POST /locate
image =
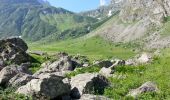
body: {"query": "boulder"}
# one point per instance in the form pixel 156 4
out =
pixel 13 50
pixel 87 83
pixel 146 87
pixel 107 72
pixel 93 97
pixel 49 86
pixel 104 63
pixel 63 65
pixel 17 42
pixel 20 79
pixel 7 73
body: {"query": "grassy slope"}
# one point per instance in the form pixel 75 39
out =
pixel 94 48
pixel 131 77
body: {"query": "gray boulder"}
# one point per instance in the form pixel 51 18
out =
pixel 18 42
pixel 146 87
pixel 13 50
pixel 63 65
pixel 87 83
pixel 7 73
pixel 93 97
pixel 20 79
pixel 48 86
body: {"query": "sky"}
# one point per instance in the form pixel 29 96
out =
pixel 78 5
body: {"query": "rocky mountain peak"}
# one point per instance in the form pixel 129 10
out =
pixel 154 10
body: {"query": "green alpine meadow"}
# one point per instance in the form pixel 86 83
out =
pixel 84 50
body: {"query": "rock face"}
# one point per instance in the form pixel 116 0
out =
pixel 146 87
pixel 48 86
pixel 13 50
pixel 87 83
pixel 154 10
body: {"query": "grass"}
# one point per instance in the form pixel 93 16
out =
pixel 94 48
pixel 158 72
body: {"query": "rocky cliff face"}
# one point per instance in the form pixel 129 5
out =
pixel 153 10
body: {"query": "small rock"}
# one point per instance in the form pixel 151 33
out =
pixel 87 83
pixel 146 87
pixel 144 58
pixel 107 72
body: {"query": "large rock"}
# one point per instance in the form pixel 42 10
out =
pixel 93 97
pixel 87 83
pixel 48 86
pixel 7 73
pixel 146 87
pixel 18 42
pixel 14 50
pixel 63 65
pixel 20 79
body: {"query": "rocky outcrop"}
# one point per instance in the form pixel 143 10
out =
pixel 13 50
pixel 48 86
pixel 153 10
pixel 146 87
pixel 87 83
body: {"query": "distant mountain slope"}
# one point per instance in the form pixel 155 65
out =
pixel 34 21
pixel 140 22
pixel 105 11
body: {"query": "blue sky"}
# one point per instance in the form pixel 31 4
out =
pixel 76 5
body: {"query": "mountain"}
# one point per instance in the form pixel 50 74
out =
pixel 45 2
pixel 33 20
pixel 139 22
pixel 104 11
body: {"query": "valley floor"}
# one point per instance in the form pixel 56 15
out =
pixel 131 77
